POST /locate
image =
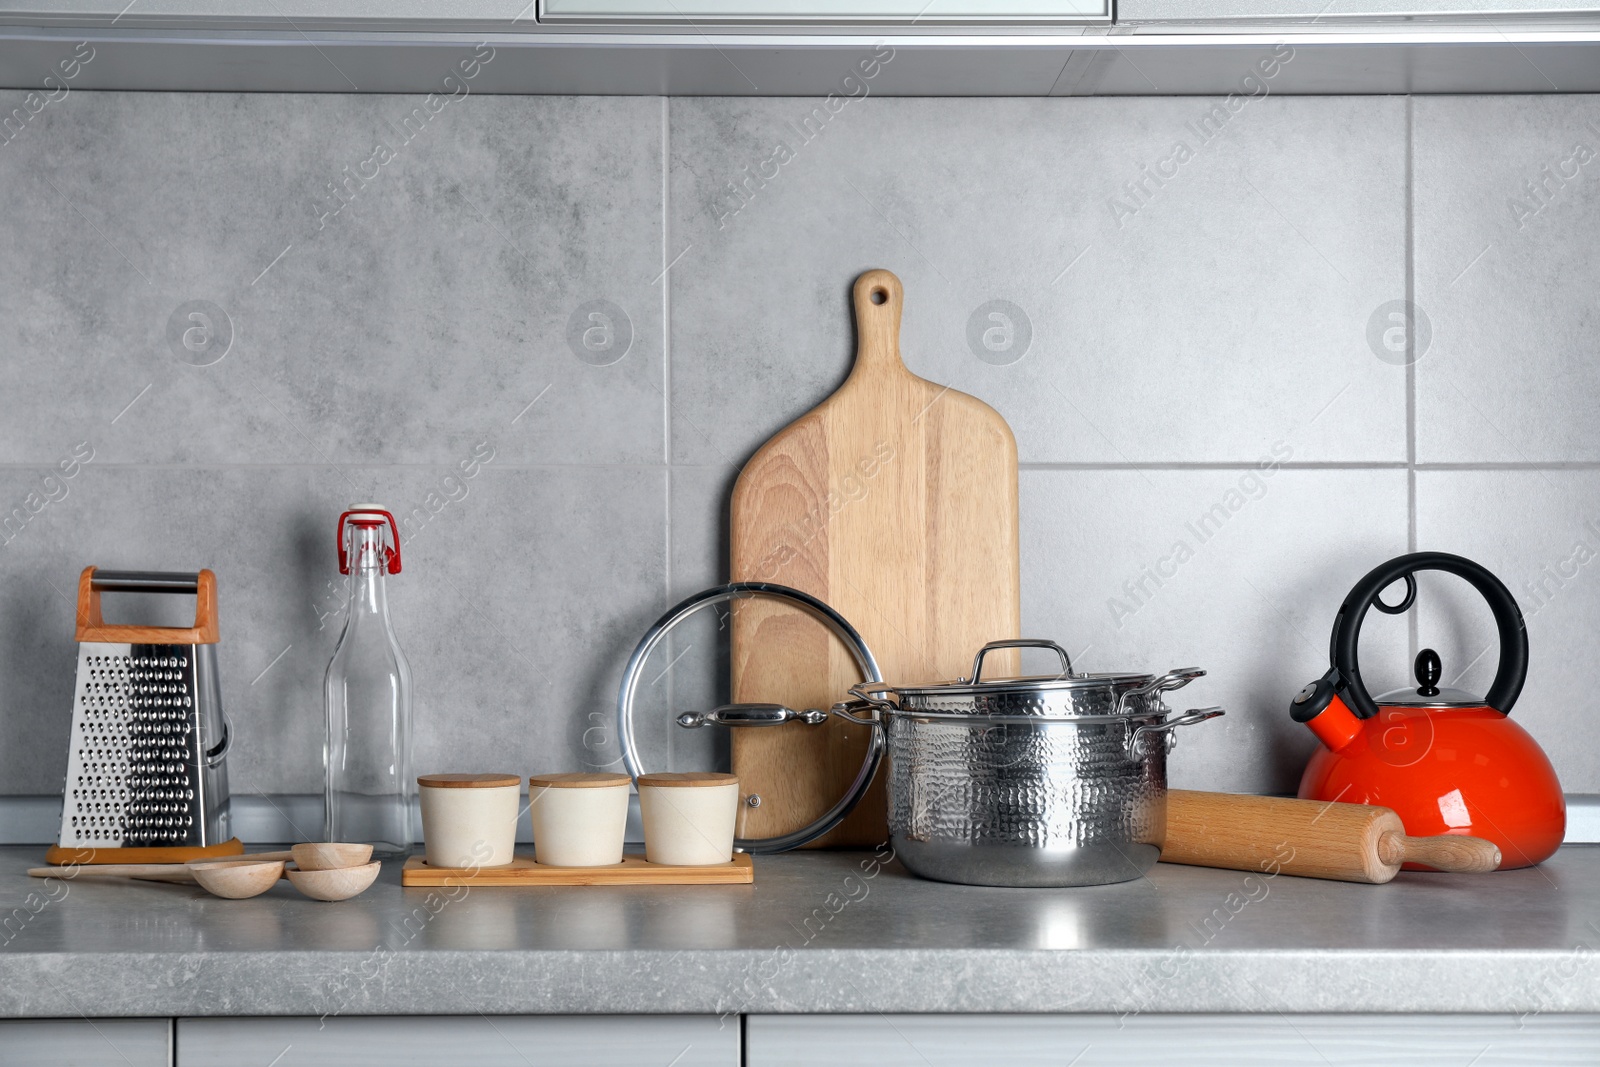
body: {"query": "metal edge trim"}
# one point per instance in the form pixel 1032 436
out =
pixel 849 38
pixel 276 818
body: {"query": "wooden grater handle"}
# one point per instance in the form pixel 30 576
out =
pixel 93 628
pixel 1446 852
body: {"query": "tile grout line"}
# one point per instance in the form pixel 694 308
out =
pixel 666 379
pixel 1308 465
pixel 437 465
pixel 666 283
pixel 1039 466
pixel 1411 353
pixel 1410 296
pixel 31 819
pixel 1217 465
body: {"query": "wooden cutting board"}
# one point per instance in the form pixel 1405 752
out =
pixel 895 502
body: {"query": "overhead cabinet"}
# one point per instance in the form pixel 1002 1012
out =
pixel 1133 12
pixel 803 47
pixel 887 12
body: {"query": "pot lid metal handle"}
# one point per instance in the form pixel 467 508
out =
pixel 1019 642
pixel 751 715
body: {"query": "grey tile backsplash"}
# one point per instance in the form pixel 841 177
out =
pixel 602 306
pixel 1507 228
pixel 1214 305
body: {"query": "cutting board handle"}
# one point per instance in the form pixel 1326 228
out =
pixel 879 299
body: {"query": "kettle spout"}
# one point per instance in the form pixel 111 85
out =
pixel 1319 707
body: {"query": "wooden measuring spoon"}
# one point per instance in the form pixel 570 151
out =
pixel 237 879
pixel 234 877
pixel 149 872
pixel 340 884
pixel 324 870
pixel 329 855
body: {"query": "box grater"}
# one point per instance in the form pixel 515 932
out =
pixel 146 778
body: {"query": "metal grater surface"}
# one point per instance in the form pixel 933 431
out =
pixel 134 762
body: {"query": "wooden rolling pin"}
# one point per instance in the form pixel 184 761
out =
pixel 1308 838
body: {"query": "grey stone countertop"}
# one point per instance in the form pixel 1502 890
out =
pixel 817 932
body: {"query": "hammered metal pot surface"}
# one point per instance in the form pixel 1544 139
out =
pixel 1083 696
pixel 1025 804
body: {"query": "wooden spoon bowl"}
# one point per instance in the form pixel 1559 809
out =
pixel 329 855
pixel 237 879
pixel 340 884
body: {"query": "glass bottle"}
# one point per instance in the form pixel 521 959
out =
pixel 368 697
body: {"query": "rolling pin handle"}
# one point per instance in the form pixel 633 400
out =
pixel 1446 852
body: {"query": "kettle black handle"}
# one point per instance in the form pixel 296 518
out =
pixel 1507 617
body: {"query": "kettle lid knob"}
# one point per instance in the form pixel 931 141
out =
pixel 1428 670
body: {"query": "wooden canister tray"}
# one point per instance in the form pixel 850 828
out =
pixel 633 870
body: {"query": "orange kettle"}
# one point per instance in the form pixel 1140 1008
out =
pixel 1446 762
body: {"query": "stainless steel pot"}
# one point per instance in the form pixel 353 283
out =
pixel 1058 780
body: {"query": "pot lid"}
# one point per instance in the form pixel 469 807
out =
pixel 1067 678
pixel 1428 693
pixel 977 685
pixel 966 686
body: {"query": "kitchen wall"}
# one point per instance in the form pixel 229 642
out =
pixel 1249 348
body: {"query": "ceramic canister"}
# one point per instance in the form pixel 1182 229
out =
pixel 688 817
pixel 469 820
pixel 578 818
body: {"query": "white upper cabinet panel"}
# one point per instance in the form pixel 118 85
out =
pixel 840 11
pixel 1333 12
pixel 804 47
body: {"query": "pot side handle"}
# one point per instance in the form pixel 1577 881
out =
pixel 1135 745
pixel 870 693
pixel 1165 683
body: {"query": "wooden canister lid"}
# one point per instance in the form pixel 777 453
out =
pixel 467 781
pixel 578 780
pixel 687 778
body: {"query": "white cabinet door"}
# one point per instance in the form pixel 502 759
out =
pixel 467 1040
pixel 1343 11
pixel 86 1042
pixel 928 12
pixel 1172 1040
